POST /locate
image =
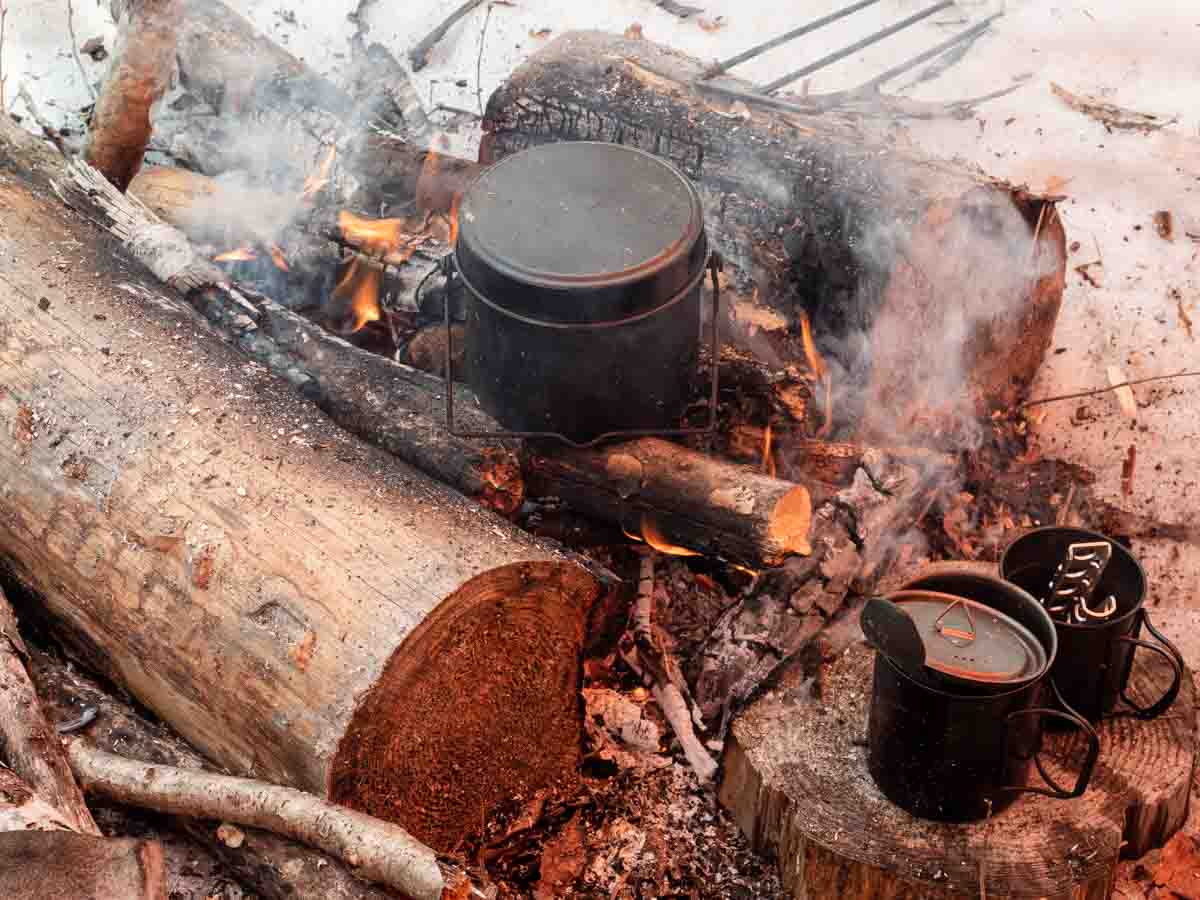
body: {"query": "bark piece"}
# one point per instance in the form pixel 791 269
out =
pixel 141 68
pixel 377 850
pixel 795 779
pixel 28 745
pixel 60 865
pixel 821 217
pixel 299 605
pixel 271 866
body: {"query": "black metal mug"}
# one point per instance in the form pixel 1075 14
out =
pixel 960 755
pixel 1095 660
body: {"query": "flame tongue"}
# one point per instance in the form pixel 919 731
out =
pixel 359 289
pixel 313 183
pixel 379 237
pixel 653 536
pixel 241 254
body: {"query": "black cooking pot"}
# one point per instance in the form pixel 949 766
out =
pixel 1095 659
pixel 962 749
pixel 583 265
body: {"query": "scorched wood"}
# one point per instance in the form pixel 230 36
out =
pixel 825 218
pixel 300 606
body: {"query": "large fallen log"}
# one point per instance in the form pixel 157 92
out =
pixel 826 218
pixel 300 606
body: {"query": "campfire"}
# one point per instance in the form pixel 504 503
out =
pixel 641 502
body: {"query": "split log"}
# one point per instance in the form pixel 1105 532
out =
pixel 825 218
pixel 270 866
pixel 28 745
pixel 298 605
pixel 42 858
pixel 795 780
pixel 141 69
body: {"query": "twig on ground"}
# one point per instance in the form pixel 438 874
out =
pixel 75 49
pixel 28 744
pixel 418 56
pixel 378 850
pixel 651 662
pixel 1104 390
pixel 1110 115
pixel 1064 511
pixel 479 61
pixel 679 10
pixel 3 77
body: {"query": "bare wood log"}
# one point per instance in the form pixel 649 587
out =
pixel 794 778
pixel 22 810
pixel 658 490
pixel 270 866
pixel 823 219
pixel 377 850
pixel 28 745
pixel 61 865
pixel 141 68
pixel 296 603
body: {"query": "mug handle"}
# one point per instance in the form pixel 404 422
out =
pixel 1089 762
pixel 1167 651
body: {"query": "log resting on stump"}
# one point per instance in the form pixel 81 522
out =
pixel 823 217
pixel 795 779
pixel 301 607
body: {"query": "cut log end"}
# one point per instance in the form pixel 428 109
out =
pixel 485 680
pixel 791 521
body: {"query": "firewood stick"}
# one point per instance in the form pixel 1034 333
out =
pixel 418 56
pixel 379 851
pixel 27 742
pixel 666 693
pixel 141 69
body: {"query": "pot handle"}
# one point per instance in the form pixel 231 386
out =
pixel 1167 651
pixel 1089 762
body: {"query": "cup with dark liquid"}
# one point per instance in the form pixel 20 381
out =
pixel 1095 658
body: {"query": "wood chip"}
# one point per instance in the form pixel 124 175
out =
pixel 1164 224
pixel 1125 393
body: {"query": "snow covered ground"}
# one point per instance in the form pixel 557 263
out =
pixel 1139 55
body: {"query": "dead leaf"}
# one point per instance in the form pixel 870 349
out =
pixel 540 34
pixel 563 859
pixel 202 567
pixel 1184 318
pixel 75 467
pixel 23 426
pixel 1164 224
pixel 1111 115
pixel 302 652
pixel 1178 870
pixel 711 24
pixel 634 32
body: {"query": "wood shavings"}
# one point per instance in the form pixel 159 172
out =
pixel 1110 115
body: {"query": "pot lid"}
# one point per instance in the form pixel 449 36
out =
pixel 580 214
pixel 968 641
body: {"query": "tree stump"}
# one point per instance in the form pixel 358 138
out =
pixel 795 778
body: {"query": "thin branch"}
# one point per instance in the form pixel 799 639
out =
pixel 1105 390
pixel 75 49
pixel 3 77
pixel 418 56
pixel 48 130
pixel 479 61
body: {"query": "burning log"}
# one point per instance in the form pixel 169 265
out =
pixel 28 745
pixel 823 218
pixel 294 602
pixel 120 126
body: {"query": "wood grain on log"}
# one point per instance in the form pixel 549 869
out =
pixel 141 68
pixel 299 605
pixel 61 865
pixel 822 216
pixel 28 745
pixel 795 779
pixel 273 867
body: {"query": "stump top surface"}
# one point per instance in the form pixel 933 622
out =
pixel 797 774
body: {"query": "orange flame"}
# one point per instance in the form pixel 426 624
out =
pixel 359 288
pixel 453 239
pixel 379 237
pixel 768 458
pixel 241 254
pixel 313 183
pixel 820 370
pixel 279 259
pixel 653 536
